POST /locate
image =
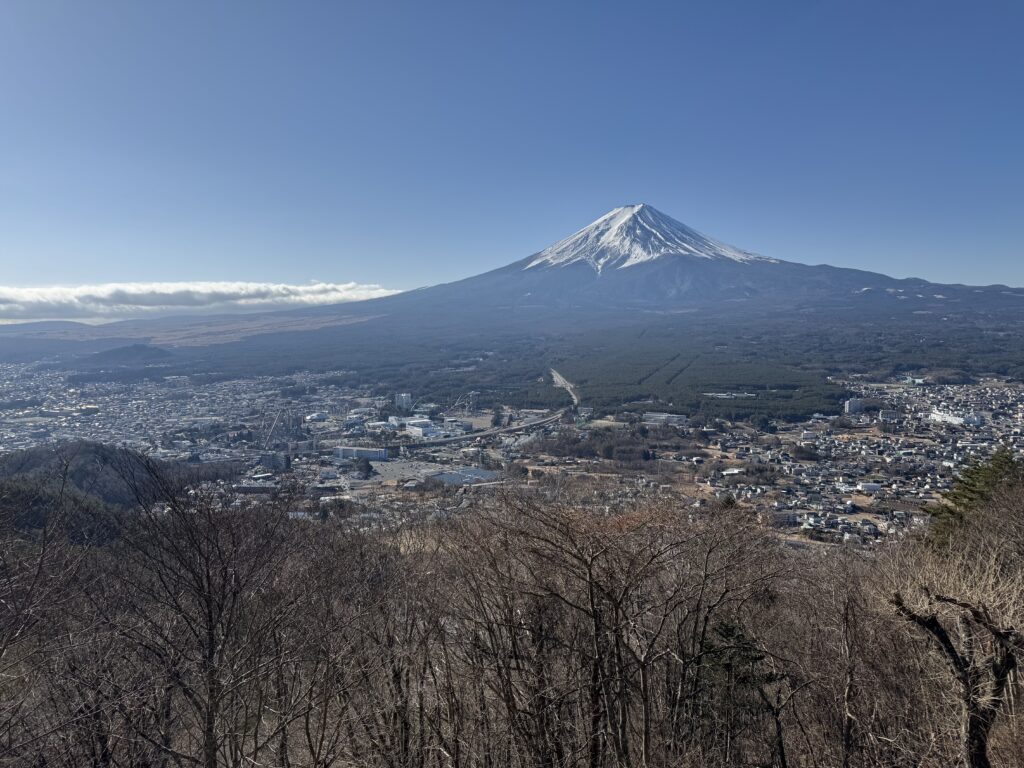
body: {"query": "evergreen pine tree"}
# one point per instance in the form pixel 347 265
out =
pixel 978 482
pixel 974 488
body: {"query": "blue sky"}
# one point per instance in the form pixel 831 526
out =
pixel 405 144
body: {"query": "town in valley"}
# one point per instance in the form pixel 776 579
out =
pixel 877 470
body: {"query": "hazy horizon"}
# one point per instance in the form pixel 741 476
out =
pixel 110 302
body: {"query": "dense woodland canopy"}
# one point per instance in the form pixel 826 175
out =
pixel 783 362
pixel 548 628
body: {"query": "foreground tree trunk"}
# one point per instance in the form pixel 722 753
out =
pixel 982 681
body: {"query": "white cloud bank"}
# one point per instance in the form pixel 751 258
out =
pixel 118 301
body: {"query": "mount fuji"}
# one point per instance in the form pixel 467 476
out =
pixel 637 258
pixel 632 265
pixel 633 235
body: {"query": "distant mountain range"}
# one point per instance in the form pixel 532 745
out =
pixel 633 279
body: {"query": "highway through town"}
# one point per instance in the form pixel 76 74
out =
pixel 484 434
pixel 563 383
pixel 559 380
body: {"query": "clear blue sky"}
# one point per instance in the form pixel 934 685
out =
pixel 412 143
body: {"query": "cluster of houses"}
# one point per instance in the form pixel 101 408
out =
pixel 876 473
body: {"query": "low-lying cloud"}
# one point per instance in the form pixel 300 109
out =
pixel 117 301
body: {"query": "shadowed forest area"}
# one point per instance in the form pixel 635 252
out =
pixel 779 362
pixel 543 628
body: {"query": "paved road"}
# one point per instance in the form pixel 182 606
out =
pixel 486 433
pixel 560 382
pixel 563 383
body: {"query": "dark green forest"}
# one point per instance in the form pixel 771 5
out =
pixel 659 361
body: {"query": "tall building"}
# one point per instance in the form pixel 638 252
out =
pixel 854 405
pixel 403 401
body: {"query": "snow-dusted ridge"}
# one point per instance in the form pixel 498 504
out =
pixel 635 234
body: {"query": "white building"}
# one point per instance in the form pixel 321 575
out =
pixel 360 452
pixel 853 405
pixel 657 418
pixel 943 417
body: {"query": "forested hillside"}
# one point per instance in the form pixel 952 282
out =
pixel 542 628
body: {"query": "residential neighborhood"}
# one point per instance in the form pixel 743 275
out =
pixel 874 471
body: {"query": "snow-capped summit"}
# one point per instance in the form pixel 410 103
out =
pixel 635 234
